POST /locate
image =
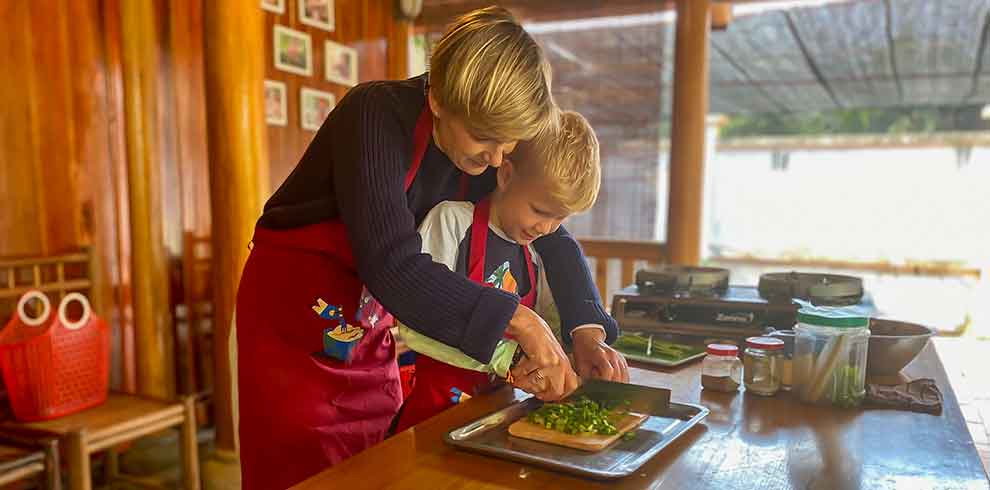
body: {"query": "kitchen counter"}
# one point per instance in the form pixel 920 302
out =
pixel 746 442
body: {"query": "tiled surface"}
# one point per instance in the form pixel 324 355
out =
pixel 965 361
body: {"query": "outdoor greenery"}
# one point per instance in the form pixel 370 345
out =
pixel 858 121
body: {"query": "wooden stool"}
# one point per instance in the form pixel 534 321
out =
pixel 22 458
pixel 123 418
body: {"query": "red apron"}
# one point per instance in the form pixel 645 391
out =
pixel 440 386
pixel 300 411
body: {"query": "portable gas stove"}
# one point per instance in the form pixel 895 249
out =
pixel 697 305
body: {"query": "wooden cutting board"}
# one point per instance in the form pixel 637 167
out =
pixel 586 442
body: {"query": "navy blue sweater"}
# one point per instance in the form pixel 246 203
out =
pixel 353 171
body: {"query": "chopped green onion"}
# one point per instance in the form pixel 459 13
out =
pixel 580 416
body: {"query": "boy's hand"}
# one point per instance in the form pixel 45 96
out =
pixel 593 358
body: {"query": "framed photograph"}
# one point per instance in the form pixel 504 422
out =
pixel 276 108
pixel 277 6
pixel 314 107
pixel 293 51
pixel 341 64
pixel 317 13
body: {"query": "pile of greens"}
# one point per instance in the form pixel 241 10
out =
pixel 638 345
pixel 580 416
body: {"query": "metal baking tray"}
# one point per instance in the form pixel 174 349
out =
pixel 489 435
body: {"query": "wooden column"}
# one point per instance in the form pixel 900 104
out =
pixel 238 149
pixel 152 319
pixel 687 135
pixel 397 54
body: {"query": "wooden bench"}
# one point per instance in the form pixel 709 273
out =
pixel 23 458
pixel 123 418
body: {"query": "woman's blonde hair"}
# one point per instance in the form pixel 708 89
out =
pixel 487 70
pixel 566 156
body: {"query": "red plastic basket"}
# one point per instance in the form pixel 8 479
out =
pixel 52 366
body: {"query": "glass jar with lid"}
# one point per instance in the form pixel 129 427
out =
pixel 762 365
pixel 830 352
pixel 721 370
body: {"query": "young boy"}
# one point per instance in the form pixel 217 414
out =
pixel 549 178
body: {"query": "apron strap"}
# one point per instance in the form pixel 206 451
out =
pixel 530 299
pixel 479 247
pixel 479 241
pixel 421 140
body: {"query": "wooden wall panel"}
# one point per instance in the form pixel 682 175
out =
pixel 56 168
pixel 93 110
pixel 185 52
pixel 183 58
pixel 64 166
pixel 361 24
pixel 20 214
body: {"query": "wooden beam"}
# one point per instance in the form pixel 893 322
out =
pixel 152 318
pixel 687 154
pixel 238 149
pixel 624 249
pixel 438 13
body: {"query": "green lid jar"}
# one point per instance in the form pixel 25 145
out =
pixel 830 352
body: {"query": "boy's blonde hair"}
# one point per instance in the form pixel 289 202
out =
pixel 566 156
pixel 487 70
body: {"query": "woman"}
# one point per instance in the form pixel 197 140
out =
pixel 346 217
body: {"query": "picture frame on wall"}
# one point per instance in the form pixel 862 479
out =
pixel 276 105
pixel 314 107
pixel 293 51
pixel 341 64
pixel 317 13
pixel 276 6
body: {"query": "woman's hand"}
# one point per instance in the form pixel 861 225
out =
pixel 596 359
pixel 545 371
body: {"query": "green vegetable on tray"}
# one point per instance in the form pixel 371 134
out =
pixel 646 346
pixel 580 416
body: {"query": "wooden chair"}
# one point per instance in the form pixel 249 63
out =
pixel 194 323
pixel 55 276
pixel 23 458
pixel 122 418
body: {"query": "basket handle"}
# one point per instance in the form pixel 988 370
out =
pixel 64 305
pixel 22 303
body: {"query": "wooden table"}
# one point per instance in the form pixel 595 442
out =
pixel 122 418
pixel 746 442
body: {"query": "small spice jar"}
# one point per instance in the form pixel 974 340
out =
pixel 762 365
pixel 787 364
pixel 721 370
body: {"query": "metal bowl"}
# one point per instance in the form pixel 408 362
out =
pixel 893 345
